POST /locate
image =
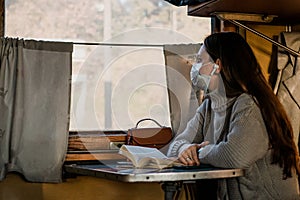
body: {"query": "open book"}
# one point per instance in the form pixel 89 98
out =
pixel 145 157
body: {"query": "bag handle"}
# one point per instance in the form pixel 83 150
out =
pixel 148 119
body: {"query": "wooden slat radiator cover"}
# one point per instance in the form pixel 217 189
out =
pixel 94 145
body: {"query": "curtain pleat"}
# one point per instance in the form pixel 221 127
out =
pixel 35 100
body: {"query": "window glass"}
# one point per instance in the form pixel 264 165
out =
pixel 118 64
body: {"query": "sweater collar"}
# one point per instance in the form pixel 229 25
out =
pixel 219 101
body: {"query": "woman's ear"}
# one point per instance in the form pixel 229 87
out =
pixel 219 63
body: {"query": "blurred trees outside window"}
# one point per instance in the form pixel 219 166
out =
pixel 122 79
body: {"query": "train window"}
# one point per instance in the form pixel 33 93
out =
pixel 118 64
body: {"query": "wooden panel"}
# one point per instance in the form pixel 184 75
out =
pixel 14 187
pixel 94 156
pixel 263 48
pixel 93 142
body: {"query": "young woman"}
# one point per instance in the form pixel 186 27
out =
pixel 240 124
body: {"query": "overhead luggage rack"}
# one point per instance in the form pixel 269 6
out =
pixel 244 17
pixel 273 12
pixel 287 12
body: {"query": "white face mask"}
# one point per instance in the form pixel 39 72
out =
pixel 201 81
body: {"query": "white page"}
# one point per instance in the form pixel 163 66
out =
pixel 141 152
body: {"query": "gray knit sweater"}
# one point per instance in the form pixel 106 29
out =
pixel 246 146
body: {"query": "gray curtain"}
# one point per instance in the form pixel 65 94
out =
pixel 288 80
pixel 183 100
pixel 34 105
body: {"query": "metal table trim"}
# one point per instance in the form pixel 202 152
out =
pixel 153 175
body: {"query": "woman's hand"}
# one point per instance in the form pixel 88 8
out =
pixel 190 155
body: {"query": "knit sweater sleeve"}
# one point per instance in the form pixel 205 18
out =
pixel 191 134
pixel 247 139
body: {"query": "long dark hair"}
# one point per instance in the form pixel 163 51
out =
pixel 242 73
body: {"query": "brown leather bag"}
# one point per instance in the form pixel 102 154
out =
pixel 149 137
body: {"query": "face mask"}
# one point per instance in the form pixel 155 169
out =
pixel 201 81
pixel 198 82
